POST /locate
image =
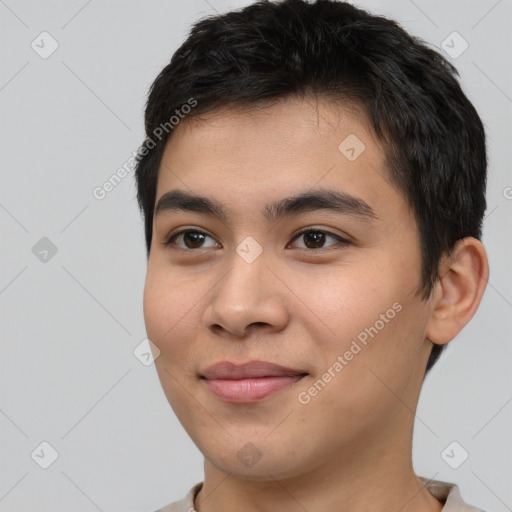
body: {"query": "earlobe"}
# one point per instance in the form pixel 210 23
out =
pixel 463 278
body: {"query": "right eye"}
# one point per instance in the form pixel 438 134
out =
pixel 192 238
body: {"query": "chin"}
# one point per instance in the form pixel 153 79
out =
pixel 249 463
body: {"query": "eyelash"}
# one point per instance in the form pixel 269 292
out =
pixel 170 240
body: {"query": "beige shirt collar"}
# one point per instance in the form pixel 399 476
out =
pixel 445 492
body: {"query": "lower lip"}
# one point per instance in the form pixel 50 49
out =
pixel 249 390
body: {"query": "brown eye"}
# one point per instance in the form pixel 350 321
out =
pixel 192 239
pixel 316 238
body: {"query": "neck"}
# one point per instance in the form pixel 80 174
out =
pixel 380 481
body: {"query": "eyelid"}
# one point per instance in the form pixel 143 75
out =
pixel 341 239
pixel 322 230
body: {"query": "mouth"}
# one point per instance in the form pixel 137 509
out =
pixel 248 382
pixel 249 390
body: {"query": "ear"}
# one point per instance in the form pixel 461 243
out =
pixel 456 296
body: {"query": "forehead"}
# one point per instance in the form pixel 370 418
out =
pixel 260 155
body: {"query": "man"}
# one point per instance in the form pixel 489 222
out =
pixel 313 186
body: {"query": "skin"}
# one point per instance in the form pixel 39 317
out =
pixel 349 448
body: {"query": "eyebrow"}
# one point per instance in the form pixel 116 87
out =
pixel 303 202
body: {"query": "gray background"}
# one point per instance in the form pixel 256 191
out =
pixel 69 324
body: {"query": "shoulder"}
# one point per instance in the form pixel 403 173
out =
pixel 449 494
pixel 184 505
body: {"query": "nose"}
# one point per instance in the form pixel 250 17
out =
pixel 246 297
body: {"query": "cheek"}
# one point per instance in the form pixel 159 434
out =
pixel 170 325
pixel 378 356
pixel 154 307
pixel 167 310
pixel 350 302
pixel 371 316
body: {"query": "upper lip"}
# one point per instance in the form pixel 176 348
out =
pixel 228 370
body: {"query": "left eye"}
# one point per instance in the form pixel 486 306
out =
pixel 315 238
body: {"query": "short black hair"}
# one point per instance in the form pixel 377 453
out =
pixel 433 137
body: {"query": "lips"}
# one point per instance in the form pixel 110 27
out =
pixel 252 369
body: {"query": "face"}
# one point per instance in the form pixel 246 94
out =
pixel 337 303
